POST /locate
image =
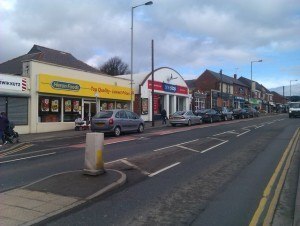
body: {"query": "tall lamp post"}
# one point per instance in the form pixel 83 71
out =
pixel 291 88
pixel 131 59
pixel 254 61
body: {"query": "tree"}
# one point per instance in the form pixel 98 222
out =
pixel 115 66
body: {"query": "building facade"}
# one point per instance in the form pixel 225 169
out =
pixel 52 96
pixel 170 93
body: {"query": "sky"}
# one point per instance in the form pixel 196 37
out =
pixel 189 36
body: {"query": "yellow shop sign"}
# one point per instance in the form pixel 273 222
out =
pixel 67 86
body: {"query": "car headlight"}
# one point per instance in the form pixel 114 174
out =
pixel 290 111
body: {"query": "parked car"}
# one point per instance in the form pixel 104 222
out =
pixel 209 115
pixel 252 112
pixel 240 113
pixel 117 121
pixel 226 114
pixel 184 117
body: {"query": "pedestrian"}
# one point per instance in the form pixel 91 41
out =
pixel 164 116
pixel 3 126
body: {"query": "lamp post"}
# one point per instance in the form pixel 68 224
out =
pixel 291 88
pixel 254 61
pixel 131 58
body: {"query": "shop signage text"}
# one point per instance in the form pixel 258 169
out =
pixel 167 87
pixel 10 82
pixel 67 86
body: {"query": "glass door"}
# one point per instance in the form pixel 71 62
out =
pixel 89 111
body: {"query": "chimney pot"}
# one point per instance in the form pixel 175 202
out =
pixel 234 76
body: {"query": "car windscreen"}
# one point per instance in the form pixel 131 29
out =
pixel 104 114
pixel 294 105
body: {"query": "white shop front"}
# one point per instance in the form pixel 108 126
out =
pixel 170 93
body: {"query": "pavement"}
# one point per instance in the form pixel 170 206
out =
pixel 57 193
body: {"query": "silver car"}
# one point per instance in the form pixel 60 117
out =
pixel 185 117
pixel 117 121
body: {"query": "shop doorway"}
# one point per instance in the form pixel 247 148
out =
pixel 89 110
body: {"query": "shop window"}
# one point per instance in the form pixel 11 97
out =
pixel 72 108
pixel 49 109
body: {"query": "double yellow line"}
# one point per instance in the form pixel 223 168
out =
pixel 282 167
pixel 15 150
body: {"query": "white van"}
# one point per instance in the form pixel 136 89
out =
pixel 294 109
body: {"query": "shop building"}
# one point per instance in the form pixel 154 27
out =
pixel 170 93
pixel 59 88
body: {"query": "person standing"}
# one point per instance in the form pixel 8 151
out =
pixel 164 116
pixel 3 125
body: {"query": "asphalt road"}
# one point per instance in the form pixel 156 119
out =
pixel 202 175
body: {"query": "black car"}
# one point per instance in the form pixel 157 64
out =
pixel 225 113
pixel 240 113
pixel 252 112
pixel 209 115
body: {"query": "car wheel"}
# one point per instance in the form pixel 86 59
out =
pixel 173 124
pixel 211 120
pixel 189 123
pixel 117 131
pixel 225 118
pixel 242 116
pixel 232 117
pixel 141 128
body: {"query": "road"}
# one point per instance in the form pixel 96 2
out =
pixel 211 174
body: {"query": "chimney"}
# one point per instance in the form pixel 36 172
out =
pixel 234 76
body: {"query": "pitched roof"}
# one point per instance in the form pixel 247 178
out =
pixel 257 85
pixel 44 54
pixel 226 78
pixel 190 83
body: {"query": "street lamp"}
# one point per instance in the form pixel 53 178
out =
pixel 251 74
pixel 131 59
pixel 291 88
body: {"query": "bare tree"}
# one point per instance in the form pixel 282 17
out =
pixel 115 66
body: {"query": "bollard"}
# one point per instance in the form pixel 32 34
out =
pixel 93 162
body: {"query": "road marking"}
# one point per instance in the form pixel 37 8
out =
pixel 230 131
pixel 190 149
pixel 118 160
pixel 159 149
pixel 216 139
pixel 262 204
pixel 31 157
pixel 134 166
pixel 213 147
pixel 260 126
pixel 164 169
pixel 243 133
pixel 15 150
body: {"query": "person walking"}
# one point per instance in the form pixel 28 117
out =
pixel 164 116
pixel 3 125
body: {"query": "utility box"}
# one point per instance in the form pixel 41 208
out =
pixel 93 162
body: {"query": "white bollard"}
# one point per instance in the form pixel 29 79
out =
pixel 93 162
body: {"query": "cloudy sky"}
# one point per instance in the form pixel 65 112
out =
pixel 189 35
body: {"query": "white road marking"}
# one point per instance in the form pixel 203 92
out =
pixel 259 126
pixel 134 166
pixel 31 157
pixel 243 133
pixel 230 131
pixel 190 149
pixel 159 149
pixel 213 147
pixel 118 160
pixel 164 169
pixel 216 139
